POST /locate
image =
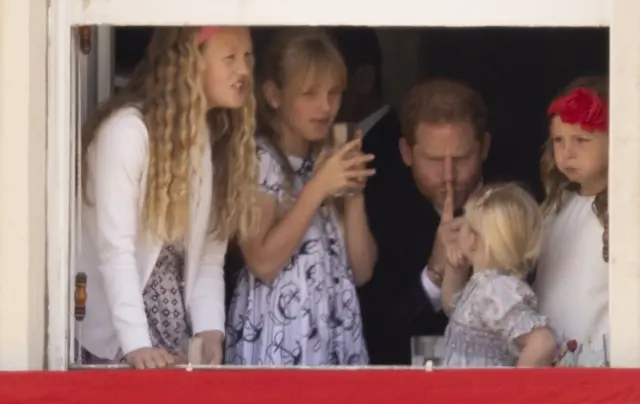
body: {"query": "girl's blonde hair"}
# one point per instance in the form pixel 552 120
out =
pixel 510 222
pixel 294 56
pixel 167 87
pixel 554 181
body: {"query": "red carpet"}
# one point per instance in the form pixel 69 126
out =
pixel 580 386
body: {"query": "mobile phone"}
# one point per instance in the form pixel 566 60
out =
pixel 343 132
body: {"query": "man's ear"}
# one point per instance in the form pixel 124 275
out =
pixel 406 152
pixel 486 145
pixel 271 94
pixel 364 79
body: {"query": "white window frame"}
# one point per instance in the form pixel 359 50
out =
pixel 624 175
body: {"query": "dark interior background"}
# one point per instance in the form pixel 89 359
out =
pixel 518 71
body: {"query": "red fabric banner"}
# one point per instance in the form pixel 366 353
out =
pixel 549 386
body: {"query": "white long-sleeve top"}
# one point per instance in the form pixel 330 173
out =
pixel 118 256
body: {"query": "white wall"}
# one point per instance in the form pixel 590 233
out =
pixel 624 185
pixel 396 13
pixel 23 27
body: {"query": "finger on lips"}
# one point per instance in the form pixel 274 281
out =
pixel 447 208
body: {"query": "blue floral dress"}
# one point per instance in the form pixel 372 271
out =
pixel 309 315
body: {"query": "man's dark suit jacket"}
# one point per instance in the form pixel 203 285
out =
pixel 394 304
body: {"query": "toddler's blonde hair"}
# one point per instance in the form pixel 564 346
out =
pixel 510 223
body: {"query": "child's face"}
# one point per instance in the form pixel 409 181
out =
pixel 580 155
pixel 309 111
pixel 228 59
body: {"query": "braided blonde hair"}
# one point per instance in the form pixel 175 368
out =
pixel 167 88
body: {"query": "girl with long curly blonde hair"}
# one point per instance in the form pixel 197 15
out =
pixel 295 303
pixel 572 280
pixel 169 175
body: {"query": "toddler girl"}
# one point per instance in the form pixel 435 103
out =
pixel 493 320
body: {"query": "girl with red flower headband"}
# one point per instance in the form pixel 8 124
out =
pixel 156 215
pixel 572 280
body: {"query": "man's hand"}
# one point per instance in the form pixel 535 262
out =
pixel 445 248
pixel 435 277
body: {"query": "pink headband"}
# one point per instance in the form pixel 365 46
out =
pixel 206 33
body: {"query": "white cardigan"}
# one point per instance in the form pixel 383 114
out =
pixel 118 258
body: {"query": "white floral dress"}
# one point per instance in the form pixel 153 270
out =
pixel 490 313
pixel 309 315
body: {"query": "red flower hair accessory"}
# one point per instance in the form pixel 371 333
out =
pixel 206 33
pixel 582 107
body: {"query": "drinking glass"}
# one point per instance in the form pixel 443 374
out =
pixel 344 132
pixel 427 348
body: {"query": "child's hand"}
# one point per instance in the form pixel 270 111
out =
pixel 341 170
pixel 212 342
pixel 149 358
pixel 361 182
